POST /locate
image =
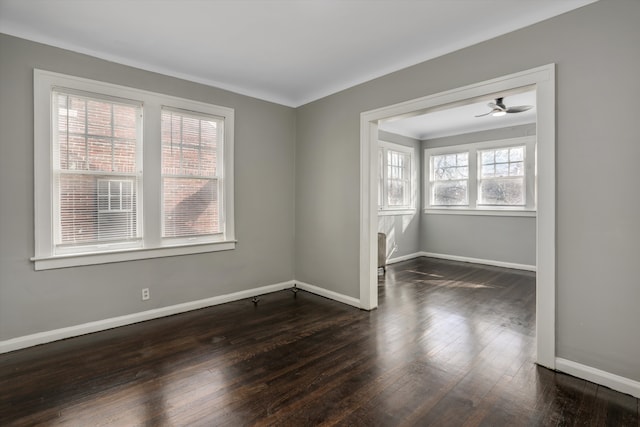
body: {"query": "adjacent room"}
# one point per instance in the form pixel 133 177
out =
pixel 319 213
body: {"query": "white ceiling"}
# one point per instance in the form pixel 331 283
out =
pixel 286 51
pixel 462 118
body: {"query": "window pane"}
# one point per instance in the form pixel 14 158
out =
pixel 86 203
pixel 189 149
pixel 124 155
pixel 397 193
pixel 516 154
pixel 450 166
pixel 502 169
pixel 450 160
pixel 99 118
pixel 488 170
pixel 487 157
pixel 96 135
pixel 395 187
pixel 516 169
pixel 450 193
pixel 502 155
pixel 189 144
pixel 190 207
pixel 502 191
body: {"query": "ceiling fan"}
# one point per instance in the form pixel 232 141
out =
pixel 499 109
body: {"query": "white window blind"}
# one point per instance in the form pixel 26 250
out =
pixel 96 144
pixel 191 174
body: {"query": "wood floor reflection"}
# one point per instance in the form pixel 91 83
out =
pixel 451 344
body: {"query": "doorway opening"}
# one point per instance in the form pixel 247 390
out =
pixel 542 80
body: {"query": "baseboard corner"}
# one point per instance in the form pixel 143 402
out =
pixel 345 299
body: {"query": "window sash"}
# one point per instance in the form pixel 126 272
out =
pixel 78 224
pixel 191 175
pixel 395 177
pixel 449 177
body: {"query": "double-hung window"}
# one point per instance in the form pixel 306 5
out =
pixel 95 165
pixel 449 179
pixel 396 178
pixel 190 181
pixel 501 178
pixel 488 178
pixel 124 174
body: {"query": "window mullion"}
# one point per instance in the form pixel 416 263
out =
pixel 152 178
pixel 474 182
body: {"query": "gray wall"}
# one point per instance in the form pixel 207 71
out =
pixel 403 231
pixel 495 238
pixel 598 236
pixel 33 301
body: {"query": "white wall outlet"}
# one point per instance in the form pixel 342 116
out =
pixel 145 294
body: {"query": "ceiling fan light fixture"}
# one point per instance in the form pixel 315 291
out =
pixel 499 113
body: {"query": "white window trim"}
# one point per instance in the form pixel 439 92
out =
pixel 411 208
pixel 529 210
pixel 154 246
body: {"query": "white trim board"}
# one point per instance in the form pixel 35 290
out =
pixel 494 263
pixel 480 261
pixel 114 322
pixel 544 81
pixel 328 294
pixel 404 258
pixel 607 379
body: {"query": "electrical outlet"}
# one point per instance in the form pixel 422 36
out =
pixel 145 294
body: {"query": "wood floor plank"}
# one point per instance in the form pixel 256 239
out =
pixel 451 344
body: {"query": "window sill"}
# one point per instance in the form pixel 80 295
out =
pixel 389 212
pixel 481 212
pixel 62 261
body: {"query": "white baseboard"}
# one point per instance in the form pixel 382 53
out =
pixel 114 322
pixel 480 261
pixel 329 294
pixel 404 257
pixel 613 381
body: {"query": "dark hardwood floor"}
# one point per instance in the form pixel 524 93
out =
pixel 451 344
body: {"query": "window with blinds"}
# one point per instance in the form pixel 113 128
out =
pixel 191 174
pixel 95 203
pixel 96 171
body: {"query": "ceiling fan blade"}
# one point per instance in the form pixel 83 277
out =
pixel 485 114
pixel 519 108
